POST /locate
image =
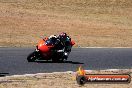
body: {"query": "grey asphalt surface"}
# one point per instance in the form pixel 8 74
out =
pixel 13 60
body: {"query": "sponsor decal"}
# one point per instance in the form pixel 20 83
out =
pixel 83 78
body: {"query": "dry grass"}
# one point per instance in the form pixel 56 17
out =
pixel 106 23
pixel 58 80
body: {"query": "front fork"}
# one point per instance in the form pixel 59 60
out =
pixel 36 48
pixel 38 54
pixel 66 54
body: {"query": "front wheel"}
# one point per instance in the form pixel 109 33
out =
pixel 31 57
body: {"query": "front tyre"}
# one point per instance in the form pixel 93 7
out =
pixel 31 57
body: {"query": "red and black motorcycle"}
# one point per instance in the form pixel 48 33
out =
pixel 46 50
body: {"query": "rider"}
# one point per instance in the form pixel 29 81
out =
pixel 62 40
pixel 56 41
pixel 65 39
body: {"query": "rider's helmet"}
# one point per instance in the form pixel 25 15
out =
pixel 63 35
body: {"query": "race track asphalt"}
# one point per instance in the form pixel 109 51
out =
pixel 13 60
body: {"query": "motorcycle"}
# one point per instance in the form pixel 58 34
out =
pixel 46 50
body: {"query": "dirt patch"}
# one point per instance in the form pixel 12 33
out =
pixel 92 23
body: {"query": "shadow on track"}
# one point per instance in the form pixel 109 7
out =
pixel 3 74
pixel 70 62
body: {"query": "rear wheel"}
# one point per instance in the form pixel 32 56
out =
pixel 55 60
pixel 31 57
pixel 59 56
pixel 61 60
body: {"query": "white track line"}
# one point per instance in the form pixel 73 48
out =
pixel 71 72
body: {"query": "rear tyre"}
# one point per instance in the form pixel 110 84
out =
pixel 55 60
pixel 31 57
pixel 59 57
pixel 61 60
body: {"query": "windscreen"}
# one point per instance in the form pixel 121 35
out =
pixel 49 42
